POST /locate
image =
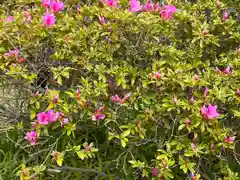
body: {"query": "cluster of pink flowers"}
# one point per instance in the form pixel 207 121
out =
pixel 14 54
pixel 51 6
pixel 8 19
pixel 31 137
pixel 117 99
pixel 97 115
pixel 111 3
pixel 166 11
pixel 44 118
pixel 50 116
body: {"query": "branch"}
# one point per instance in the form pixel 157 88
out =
pixel 77 170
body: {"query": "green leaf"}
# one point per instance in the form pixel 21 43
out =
pixel 59 80
pixel 181 127
pixel 60 159
pixel 123 143
pixel 81 154
pixel 125 133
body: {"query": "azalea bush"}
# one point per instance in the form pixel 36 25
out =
pixel 120 89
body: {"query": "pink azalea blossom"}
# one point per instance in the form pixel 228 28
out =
pixel 157 75
pixel 64 121
pixel 148 6
pixel 193 146
pixel 42 118
pixel 195 77
pixel 156 7
pixel 52 116
pixel 167 12
pixel 56 6
pixel 101 20
pixel 188 121
pixel 225 16
pixel 115 98
pixel 155 172
pixel 77 93
pixel 98 115
pixel 45 3
pixel 127 96
pixel 31 137
pixel 238 51
pixel 228 139
pixel 12 53
pixel 174 100
pixel 55 99
pixel 135 6
pixel 8 19
pixel 27 16
pixel 111 3
pixel 48 19
pixel 209 112
pixel 238 92
pixel 227 70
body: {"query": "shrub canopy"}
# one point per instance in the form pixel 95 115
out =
pixel 120 90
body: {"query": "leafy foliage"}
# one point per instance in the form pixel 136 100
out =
pixel 120 92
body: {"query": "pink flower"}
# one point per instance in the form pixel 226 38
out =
pixel 157 75
pixel 56 6
pixel 34 125
pixel 55 99
pixel 227 70
pixel 225 16
pixel 45 3
pixel 101 20
pixel 42 118
pixel 228 139
pixel 127 96
pixel 209 112
pixel 8 19
pixel 135 6
pixel 148 6
pixel 156 7
pixel 64 121
pixel 155 172
pixel 111 3
pixel 31 137
pixel 174 99
pixel 12 53
pixel 78 7
pixel 27 16
pixel 211 146
pixel 77 93
pixel 238 51
pixel 193 146
pixel 48 19
pixel 238 92
pixel 188 121
pixel 97 115
pixel 115 98
pixel 195 77
pixel 52 116
pixel 167 11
